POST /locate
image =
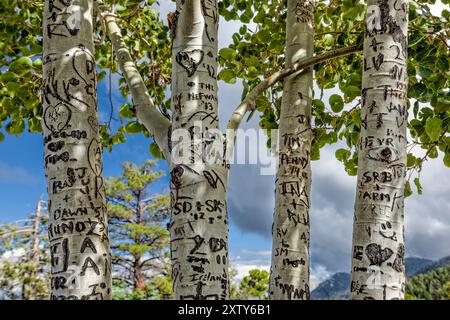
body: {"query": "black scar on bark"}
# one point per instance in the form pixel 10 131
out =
pixel 358 252
pixel 399 264
pixel 199 240
pixel 89 263
pixel 212 180
pixel 190 60
pixel 199 293
pixel 176 176
pixel 217 244
pixel 205 14
pixel 65 252
pixel 377 255
pixel 388 24
pixel 57 118
pixel 87 242
pixel 56 146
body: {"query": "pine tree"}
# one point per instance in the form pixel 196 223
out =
pixel 139 238
pixel 24 257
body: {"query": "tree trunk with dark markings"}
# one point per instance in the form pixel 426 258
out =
pixel 378 242
pixel 78 227
pixel 289 277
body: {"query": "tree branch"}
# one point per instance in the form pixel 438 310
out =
pixel 148 260
pixel 154 121
pixel 248 104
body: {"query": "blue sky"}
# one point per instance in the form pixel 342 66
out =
pixel 251 197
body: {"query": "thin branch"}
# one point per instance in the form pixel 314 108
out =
pixel 148 260
pixel 154 121
pixel 248 104
pixel 111 104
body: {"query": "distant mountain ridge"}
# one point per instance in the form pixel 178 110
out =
pixel 337 287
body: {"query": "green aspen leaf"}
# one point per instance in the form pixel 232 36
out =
pixel 433 128
pixel 354 137
pixel 133 127
pixel 328 39
pixel 408 190
pixel 351 169
pixel 16 126
pixel 447 159
pixel 21 65
pixel 336 103
pixel 252 73
pixel 416 108
pixel 227 54
pixel 315 152
pixel 442 63
pixel 342 154
pixel 155 151
pixel 442 104
pixel 262 102
pixel 37 64
pixel 424 72
pixel 417 90
pixel 12 87
pixel 227 75
pixel 418 185
pixel 2 137
pixel 355 80
pixel 118 138
pixel 126 111
pixel 319 105
pixel 410 160
pixel 34 125
pixel 9 76
pixel 433 154
pixel 351 92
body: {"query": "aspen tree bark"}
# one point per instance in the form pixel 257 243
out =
pixel 289 276
pixel 378 241
pixel 78 228
pixel 199 220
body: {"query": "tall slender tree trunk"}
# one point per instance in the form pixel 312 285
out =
pixel 199 222
pixel 289 277
pixel 139 279
pixel 378 243
pixel 78 229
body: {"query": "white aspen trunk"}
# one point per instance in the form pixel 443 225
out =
pixel 289 277
pixel 78 228
pixel 378 241
pixel 199 221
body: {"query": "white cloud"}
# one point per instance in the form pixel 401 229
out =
pixel 243 270
pixel 319 273
pixel 13 254
pixel 16 174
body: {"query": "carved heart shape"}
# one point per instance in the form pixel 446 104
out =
pixel 56 118
pixel 377 255
pixel 190 60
